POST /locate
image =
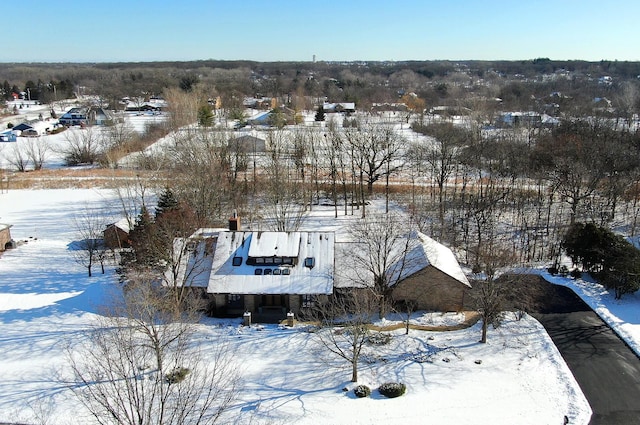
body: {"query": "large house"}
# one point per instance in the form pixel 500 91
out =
pixel 273 273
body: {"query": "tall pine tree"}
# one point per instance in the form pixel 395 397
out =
pixel 166 202
pixel 143 239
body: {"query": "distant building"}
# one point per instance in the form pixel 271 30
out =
pixel 93 115
pixel 8 136
pixel 347 107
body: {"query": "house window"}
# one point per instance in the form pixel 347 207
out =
pixel 235 301
pixel 308 301
pixel 309 262
pixel 259 260
pixel 257 272
pixel 276 271
pixel 237 261
pixel 267 271
pixel 286 272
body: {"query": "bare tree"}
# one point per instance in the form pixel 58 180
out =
pixel 380 251
pixel 17 157
pixel 89 248
pixel 37 150
pixel 141 366
pixel 441 155
pixel 83 146
pixel 489 297
pixel 117 137
pixel 375 153
pixel 204 173
pixel 284 202
pixel 345 326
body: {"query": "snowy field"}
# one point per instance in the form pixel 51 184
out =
pixel 47 302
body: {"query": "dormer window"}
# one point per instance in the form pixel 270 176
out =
pixel 310 262
pixel 237 261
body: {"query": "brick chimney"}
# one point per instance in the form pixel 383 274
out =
pixel 234 222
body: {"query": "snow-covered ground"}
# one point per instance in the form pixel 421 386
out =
pixel 47 302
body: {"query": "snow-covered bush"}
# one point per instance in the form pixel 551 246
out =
pixel 362 391
pixel 392 389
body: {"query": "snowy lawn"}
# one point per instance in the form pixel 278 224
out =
pixel 48 302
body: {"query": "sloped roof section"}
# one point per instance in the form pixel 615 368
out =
pixel 441 257
pixel 228 278
pixel 272 244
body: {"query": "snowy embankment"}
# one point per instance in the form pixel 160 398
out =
pixel 47 302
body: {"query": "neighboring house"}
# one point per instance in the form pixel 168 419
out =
pixel 144 107
pixel 116 235
pixel 258 103
pixel 515 119
pixel 93 115
pixel 25 129
pixel 348 107
pixel 5 237
pixel 265 273
pixel 8 136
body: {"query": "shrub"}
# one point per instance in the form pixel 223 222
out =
pixel 553 270
pixel 362 391
pixel 392 389
pixel 576 274
pixel 379 338
pixel 177 375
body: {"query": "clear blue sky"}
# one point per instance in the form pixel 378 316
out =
pixel 295 30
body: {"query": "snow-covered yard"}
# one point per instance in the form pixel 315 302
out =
pixel 47 302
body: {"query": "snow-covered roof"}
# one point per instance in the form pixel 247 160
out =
pixel 421 252
pixel 272 244
pixel 427 251
pixel 275 277
pixel 122 224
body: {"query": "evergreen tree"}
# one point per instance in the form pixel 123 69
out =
pixel 142 238
pixel 320 114
pixel 614 261
pixel 166 202
pixel 205 116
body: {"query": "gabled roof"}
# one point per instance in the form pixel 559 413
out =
pixel 122 224
pixel 421 252
pixel 22 127
pixel 425 251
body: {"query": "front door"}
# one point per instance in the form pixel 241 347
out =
pixel 272 300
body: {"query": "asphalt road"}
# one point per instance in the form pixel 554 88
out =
pixel 606 369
